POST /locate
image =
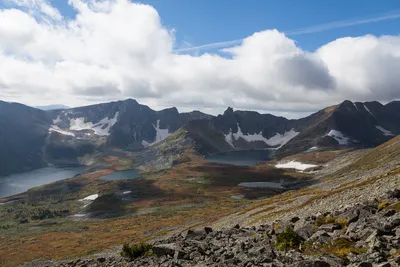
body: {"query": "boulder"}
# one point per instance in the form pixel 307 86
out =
pixel 394 194
pixel 320 236
pixel 208 230
pixel 365 264
pixel 164 249
pixel 196 234
pixel 311 263
pixel 350 215
pixel 330 227
pixel 305 232
pixel 294 219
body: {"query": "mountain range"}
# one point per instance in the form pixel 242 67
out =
pixel 32 138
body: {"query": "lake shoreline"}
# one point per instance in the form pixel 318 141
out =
pixel 19 183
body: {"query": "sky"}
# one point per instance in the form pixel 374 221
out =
pixel 287 58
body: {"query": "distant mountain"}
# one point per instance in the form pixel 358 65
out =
pixel 394 108
pixel 23 132
pixel 30 137
pixel 347 124
pixel 123 124
pixel 52 107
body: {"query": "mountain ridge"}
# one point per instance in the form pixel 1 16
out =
pixel 126 124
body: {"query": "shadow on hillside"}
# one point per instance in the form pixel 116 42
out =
pixel 57 191
pixel 220 174
pixel 225 175
pixel 118 204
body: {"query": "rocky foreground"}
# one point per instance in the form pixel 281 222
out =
pixel 366 234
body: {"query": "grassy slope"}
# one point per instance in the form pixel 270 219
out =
pixel 371 172
pixel 384 154
pixel 163 201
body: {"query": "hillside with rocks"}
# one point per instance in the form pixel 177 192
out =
pixel 366 234
pixel 350 216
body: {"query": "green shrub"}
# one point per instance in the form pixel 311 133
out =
pixel 340 247
pixel 42 214
pixel 136 250
pixel 383 205
pixel 395 206
pixel 326 220
pixel 288 239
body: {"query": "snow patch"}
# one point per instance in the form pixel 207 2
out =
pixel 90 198
pixel 340 137
pixel 368 111
pixel 384 131
pixel 294 165
pixel 281 139
pixel 79 215
pixel 228 138
pixel 57 120
pixel 101 128
pixel 145 144
pixel 55 128
pixel 161 134
pixel 278 139
pixel 355 105
pixel 312 149
pixel 126 192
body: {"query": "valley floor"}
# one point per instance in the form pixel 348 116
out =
pixel 194 194
pixel 55 221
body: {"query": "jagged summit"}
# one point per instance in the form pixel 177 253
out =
pixel 228 111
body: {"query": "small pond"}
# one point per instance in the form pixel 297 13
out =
pixel 122 175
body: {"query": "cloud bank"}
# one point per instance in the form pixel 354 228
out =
pixel 115 49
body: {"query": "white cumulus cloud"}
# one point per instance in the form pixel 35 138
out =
pixel 115 49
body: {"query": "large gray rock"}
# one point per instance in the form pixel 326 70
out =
pixel 350 215
pixel 197 234
pixel 305 232
pixel 310 263
pixel 320 236
pixel 330 227
pixel 164 249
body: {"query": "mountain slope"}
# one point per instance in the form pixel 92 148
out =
pixel 252 130
pixel 345 125
pixel 197 138
pixel 394 108
pixel 62 136
pixel 123 124
pixel 31 138
pixel 348 124
pixel 23 132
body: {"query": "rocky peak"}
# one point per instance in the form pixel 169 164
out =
pixel 228 111
pixel 170 111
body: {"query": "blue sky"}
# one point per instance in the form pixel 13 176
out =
pixel 323 52
pixel 210 21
